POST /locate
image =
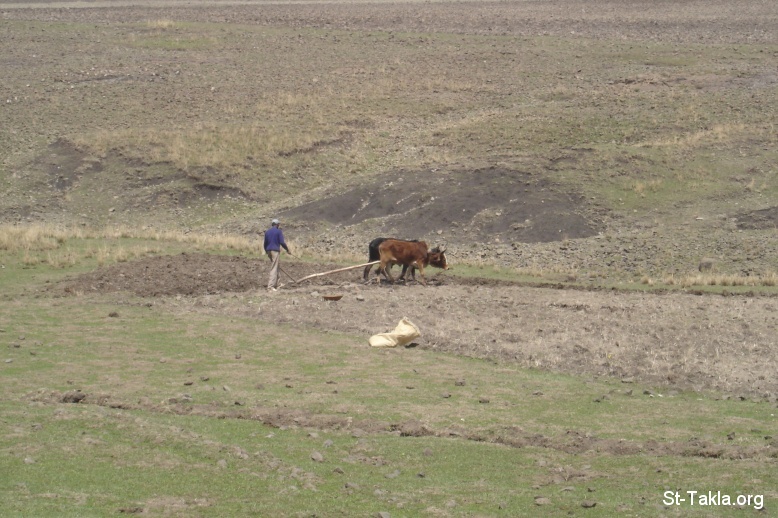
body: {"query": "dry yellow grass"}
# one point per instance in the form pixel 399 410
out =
pixel 717 279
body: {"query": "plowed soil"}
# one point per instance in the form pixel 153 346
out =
pixel 676 341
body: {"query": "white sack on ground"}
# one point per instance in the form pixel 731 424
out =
pixel 403 334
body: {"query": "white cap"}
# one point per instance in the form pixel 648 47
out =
pixel 275 222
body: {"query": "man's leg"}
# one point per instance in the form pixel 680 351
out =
pixel 272 280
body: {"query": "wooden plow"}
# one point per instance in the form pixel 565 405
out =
pixel 298 281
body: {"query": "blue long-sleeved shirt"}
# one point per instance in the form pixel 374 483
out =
pixel 274 240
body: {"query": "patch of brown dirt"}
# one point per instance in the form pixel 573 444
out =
pixel 673 340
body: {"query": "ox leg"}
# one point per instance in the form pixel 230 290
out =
pixel 367 272
pixel 402 275
pixel 385 268
pixel 421 274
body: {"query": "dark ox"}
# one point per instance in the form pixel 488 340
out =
pixel 410 254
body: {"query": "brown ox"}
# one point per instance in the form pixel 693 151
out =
pixel 374 255
pixel 411 254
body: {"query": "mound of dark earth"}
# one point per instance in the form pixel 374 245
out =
pixel 759 219
pixel 473 205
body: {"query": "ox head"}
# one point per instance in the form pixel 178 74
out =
pixel 437 258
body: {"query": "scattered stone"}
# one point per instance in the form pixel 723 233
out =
pixel 187 383
pixel 75 396
pixel 384 514
pixel 339 471
pixel 483 400
pixel 131 510
pixel 427 452
pixel 393 474
pixel 360 298
pixel 317 457
pixel 445 395
pixel 537 393
pixel 328 443
pixel 29 460
pixel 588 504
pixel 222 464
pixel 113 314
pixel 351 485
pixel 541 500
pixel 459 383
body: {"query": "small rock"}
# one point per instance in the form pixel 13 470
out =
pixel 317 457
pixel 706 264
pixel 588 504
pixel 393 474
pixel 445 395
pixel 384 514
pixel 222 463
pixel 459 383
pixel 328 443
pixel 338 470
pixel 483 400
pixel 541 500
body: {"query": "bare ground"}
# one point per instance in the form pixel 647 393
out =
pixel 676 341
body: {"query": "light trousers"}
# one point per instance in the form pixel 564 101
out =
pixel 272 281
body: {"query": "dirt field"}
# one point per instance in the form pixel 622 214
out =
pixel 514 210
pixel 709 343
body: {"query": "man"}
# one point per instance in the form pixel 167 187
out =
pixel 274 240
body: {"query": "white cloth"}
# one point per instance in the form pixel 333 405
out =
pixel 405 332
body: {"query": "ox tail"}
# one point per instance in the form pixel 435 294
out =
pixel 373 254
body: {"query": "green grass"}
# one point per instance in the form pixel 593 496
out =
pixel 179 419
